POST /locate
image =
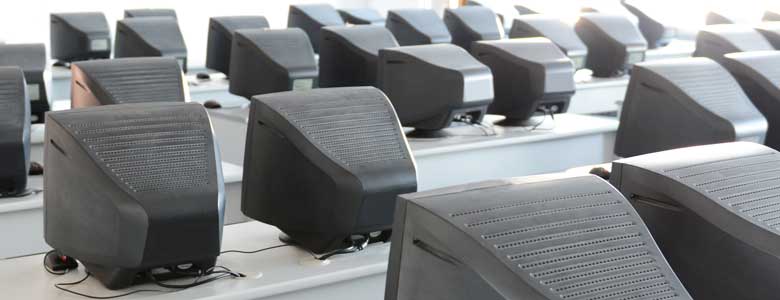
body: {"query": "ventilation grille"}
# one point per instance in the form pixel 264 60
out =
pixel 11 105
pixel 768 67
pixel 358 128
pixel 749 186
pixel 586 246
pixel 151 154
pixel 140 83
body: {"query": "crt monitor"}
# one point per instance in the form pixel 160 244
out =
pixel 150 36
pixel 715 18
pixel 531 77
pixel 133 187
pixel 684 102
pixel 771 16
pixel 150 12
pixel 716 40
pixel 31 58
pixel 349 55
pixel 433 85
pixel 551 237
pixel 713 211
pixel 79 36
pixel 525 10
pixel 656 33
pixel 417 26
pixel 469 24
pixel 551 27
pixel 311 18
pixel 362 16
pixel 14 132
pixel 346 147
pixel 220 38
pixel 756 74
pixel 771 32
pixel 127 80
pixel 271 60
pixel 614 43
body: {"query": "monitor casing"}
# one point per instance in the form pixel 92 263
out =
pixel 14 132
pixel 469 24
pixel 560 33
pixel 362 16
pixel 656 33
pixel 417 26
pixel 79 36
pixel 771 32
pixel 150 12
pixel 614 43
pixel 715 18
pixel 150 36
pixel 771 16
pixel 31 58
pixel 714 41
pixel 525 10
pixel 220 38
pixel 311 18
pixel 349 55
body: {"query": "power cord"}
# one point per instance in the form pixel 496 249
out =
pixel 61 286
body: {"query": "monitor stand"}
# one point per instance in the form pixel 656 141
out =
pixel 428 134
pixel 534 121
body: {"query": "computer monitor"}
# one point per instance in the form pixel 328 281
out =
pixel 531 77
pixel 713 211
pixel 345 146
pixel 755 72
pixel 417 26
pixel 560 33
pixel 614 43
pixel 349 55
pixel 656 33
pixel 469 24
pixel 14 132
pixel 771 16
pixel 31 58
pixel 433 85
pixel 715 18
pixel 150 36
pixel 362 16
pixel 539 237
pixel 714 41
pixel 133 187
pixel 127 80
pixel 684 102
pixel 150 12
pixel 220 38
pixel 271 60
pixel 525 10
pixel 771 32
pixel 79 36
pixel 311 18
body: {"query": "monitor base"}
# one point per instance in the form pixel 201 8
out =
pixel 530 122
pixel 119 278
pixel 427 134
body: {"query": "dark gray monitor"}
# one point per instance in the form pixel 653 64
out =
pixel 79 36
pixel 684 102
pixel 656 33
pixel 133 187
pixel 311 18
pixel 345 146
pixel 531 77
pixel 127 80
pixel 614 43
pixel 31 58
pixel 469 24
pixel 771 16
pixel 150 12
pixel 220 38
pixel 525 10
pixel 349 55
pixel 14 132
pixel 713 211
pixel 715 18
pixel 551 237
pixel 271 60
pixel 771 32
pixel 433 85
pixel 150 36
pixel 417 26
pixel 362 16
pixel 560 33
pixel 717 40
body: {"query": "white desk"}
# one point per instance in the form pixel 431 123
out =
pixel 282 274
pixel 598 95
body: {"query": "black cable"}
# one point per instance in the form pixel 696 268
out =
pixel 255 251
pixel 59 286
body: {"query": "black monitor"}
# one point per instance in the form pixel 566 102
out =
pixel 127 80
pixel 31 58
pixel 771 16
pixel 79 36
pixel 14 132
pixel 771 32
pixel 614 43
pixel 531 76
pixel 417 26
pixel 757 75
pixel 684 102
pixel 346 147
pixel 150 12
pixel 656 33
pixel 433 85
pixel 713 211
pixel 362 16
pixel 715 18
pixel 560 33
pixel 311 18
pixel 220 38
pixel 349 55
pixel 271 60
pixel 717 40
pixel 469 24
pixel 525 10
pixel 541 237
pixel 150 36
pixel 133 187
